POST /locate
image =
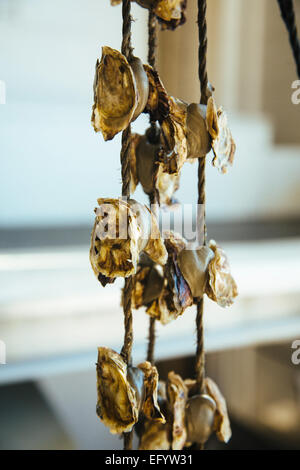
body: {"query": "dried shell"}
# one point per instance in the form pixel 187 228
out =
pixel 124 392
pixel 158 105
pixel 174 141
pixel 194 265
pixel 117 404
pixel 200 416
pixel 146 170
pixel 198 137
pixel 147 284
pixel 122 230
pixel 175 296
pixel 170 13
pixel 221 286
pixel 222 142
pixel 150 405
pixel 177 394
pixel 121 92
pixel 155 436
pixel 222 423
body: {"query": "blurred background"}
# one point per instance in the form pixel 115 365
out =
pixel 53 311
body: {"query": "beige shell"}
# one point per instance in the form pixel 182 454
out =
pixel 198 137
pixel 122 230
pixel 200 417
pixel 158 104
pixel 150 405
pixel 155 436
pixel 171 13
pixel 177 394
pixel 221 286
pixel 222 423
pixel 121 92
pixel 146 170
pixel 174 141
pixel 222 142
pixel 194 265
pixel 175 296
pixel 125 392
pixel 117 404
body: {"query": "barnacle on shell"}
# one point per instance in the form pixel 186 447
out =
pixel 222 142
pixel 221 286
pixel 173 137
pixel 147 170
pixel 170 13
pixel 121 92
pixel 122 230
pixel 125 392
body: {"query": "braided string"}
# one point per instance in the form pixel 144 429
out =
pixel 152 42
pixel 125 172
pixel 202 29
pixel 289 18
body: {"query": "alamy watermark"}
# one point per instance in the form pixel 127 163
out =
pixel 2 352
pixel 295 98
pixel 2 92
pixel 296 352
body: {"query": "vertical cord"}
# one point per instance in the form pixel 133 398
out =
pixel 289 18
pixel 202 28
pixel 152 28
pixel 125 171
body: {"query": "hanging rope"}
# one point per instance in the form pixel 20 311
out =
pixel 202 29
pixel 289 18
pixel 152 41
pixel 125 171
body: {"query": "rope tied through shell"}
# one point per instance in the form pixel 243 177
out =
pixel 202 71
pixel 125 173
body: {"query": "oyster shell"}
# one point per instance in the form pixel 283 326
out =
pixel 174 141
pixel 158 105
pixel 222 142
pixel 147 284
pixel 122 230
pixel 221 286
pixel 155 436
pixel 221 422
pixel 175 296
pixel 170 13
pixel 121 92
pixel 125 392
pixel 177 394
pixel 193 265
pixel 117 404
pixel 198 137
pixel 146 169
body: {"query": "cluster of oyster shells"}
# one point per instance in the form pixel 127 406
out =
pixel 123 90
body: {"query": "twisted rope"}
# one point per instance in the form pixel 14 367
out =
pixel 202 31
pixel 152 41
pixel 125 172
pixel 289 18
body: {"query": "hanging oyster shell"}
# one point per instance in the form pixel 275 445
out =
pixel 125 392
pixel 121 92
pixel 158 105
pixel 117 404
pixel 198 137
pixel 221 286
pixel 173 141
pixel 221 422
pixel 122 230
pixel 222 142
pixel 170 13
pixel 193 265
pixel 148 282
pixel 175 296
pixel 177 394
pixel 200 417
pixel 146 169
